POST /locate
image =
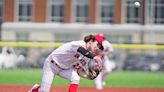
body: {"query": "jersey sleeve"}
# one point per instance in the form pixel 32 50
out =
pixel 75 45
pixel 78 47
pixel 107 46
pixel 110 48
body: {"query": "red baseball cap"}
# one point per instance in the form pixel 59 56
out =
pixel 100 40
pixel 102 35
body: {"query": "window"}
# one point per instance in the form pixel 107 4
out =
pixel 107 11
pixel 81 12
pixel 22 36
pixel 55 10
pixel 65 37
pixel 1 11
pixel 24 10
pixel 119 38
pixel 155 11
pixel 131 12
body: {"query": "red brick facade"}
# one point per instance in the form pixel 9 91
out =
pixel 40 11
pixel 9 6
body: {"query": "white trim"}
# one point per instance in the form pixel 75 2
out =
pixel 3 3
pixel 16 10
pixel 125 12
pixel 33 11
pixel 49 2
pixel 74 11
pixel 47 11
pixel 152 17
pixel 123 9
pixel 146 11
pixel 73 27
pixel 98 11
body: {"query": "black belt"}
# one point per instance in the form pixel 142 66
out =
pixel 52 61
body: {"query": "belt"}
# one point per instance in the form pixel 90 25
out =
pixel 52 61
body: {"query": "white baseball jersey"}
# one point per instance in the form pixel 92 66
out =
pixel 66 55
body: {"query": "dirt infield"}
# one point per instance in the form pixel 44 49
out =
pixel 19 88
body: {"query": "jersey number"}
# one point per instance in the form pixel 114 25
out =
pixel 80 63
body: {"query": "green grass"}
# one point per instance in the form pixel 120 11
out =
pixel 121 78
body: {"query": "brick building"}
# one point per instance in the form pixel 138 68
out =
pixel 63 20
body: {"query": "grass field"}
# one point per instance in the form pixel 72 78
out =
pixel 116 78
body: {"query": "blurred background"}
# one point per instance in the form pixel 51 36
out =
pixel 52 21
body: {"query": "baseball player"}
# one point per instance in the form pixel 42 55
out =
pixel 67 60
pixel 100 80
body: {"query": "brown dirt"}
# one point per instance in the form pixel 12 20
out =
pixel 25 88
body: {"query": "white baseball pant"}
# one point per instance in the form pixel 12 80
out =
pixel 50 70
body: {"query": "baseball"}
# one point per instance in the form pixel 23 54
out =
pixel 137 4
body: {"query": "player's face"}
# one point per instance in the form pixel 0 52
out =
pixel 94 46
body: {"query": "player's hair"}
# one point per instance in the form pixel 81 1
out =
pixel 89 37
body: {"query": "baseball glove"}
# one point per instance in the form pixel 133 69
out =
pixel 94 68
pixel 91 71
